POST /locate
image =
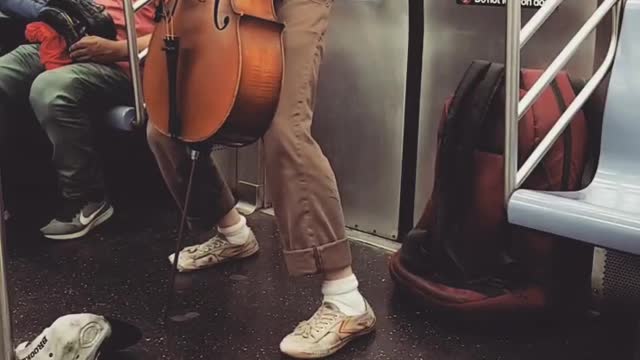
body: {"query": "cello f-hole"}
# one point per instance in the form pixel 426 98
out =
pixel 216 17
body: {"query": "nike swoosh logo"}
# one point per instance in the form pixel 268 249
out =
pixel 86 220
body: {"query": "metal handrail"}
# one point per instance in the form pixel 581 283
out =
pixel 538 19
pixel 139 4
pixel 6 342
pixel 515 108
pixel 563 58
pixel 135 57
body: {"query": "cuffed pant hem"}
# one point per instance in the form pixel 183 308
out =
pixel 319 259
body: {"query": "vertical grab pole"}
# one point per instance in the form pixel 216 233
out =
pixel 512 97
pixel 6 343
pixel 134 60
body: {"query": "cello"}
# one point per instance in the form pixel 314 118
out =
pixel 213 75
pixel 214 70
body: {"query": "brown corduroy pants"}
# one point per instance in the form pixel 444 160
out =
pixel 302 184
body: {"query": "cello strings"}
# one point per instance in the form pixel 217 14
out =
pixel 165 20
pixel 172 17
pixel 169 12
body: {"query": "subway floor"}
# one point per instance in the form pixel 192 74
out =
pixel 242 310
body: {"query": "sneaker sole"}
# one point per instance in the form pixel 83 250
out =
pixel 97 221
pixel 336 348
pixel 245 255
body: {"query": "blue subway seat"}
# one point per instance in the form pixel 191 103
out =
pixel 607 212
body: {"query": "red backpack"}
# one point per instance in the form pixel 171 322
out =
pixel 463 255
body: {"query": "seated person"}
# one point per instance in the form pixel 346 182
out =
pixel 66 101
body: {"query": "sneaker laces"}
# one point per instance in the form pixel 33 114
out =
pixel 320 321
pixel 208 246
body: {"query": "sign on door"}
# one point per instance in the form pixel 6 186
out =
pixel 525 3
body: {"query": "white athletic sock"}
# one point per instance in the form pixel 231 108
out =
pixel 345 295
pixel 237 234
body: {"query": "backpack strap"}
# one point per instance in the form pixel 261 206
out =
pixel 474 74
pixel 459 141
pixel 568 137
pixel 593 117
pixel 429 245
pixel 464 92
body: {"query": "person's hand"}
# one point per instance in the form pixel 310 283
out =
pixel 97 49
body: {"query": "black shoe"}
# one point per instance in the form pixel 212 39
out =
pixel 77 218
pixel 93 18
pixel 74 19
pixel 62 23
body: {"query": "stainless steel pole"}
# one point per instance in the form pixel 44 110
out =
pixel 512 98
pixel 134 60
pixel 6 343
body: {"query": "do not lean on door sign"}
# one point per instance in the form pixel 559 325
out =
pixel 535 4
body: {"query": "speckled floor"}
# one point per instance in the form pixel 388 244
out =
pixel 245 308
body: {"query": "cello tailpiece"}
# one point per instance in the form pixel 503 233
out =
pixel 172 46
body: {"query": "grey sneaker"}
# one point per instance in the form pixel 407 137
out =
pixel 77 218
pixel 328 331
pixel 214 251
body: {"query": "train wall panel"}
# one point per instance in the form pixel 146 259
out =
pixel 360 109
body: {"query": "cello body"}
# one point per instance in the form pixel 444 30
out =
pixel 229 71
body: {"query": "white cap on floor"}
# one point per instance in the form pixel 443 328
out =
pixel 71 337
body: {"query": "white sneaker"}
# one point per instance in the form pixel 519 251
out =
pixel 71 337
pixel 328 331
pixel 213 252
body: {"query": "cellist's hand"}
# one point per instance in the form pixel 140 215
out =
pixel 99 50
